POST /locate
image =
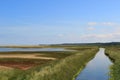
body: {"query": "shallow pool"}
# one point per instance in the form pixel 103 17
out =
pixel 31 49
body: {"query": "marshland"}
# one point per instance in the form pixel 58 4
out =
pixel 60 62
pixel 59 39
pixel 45 65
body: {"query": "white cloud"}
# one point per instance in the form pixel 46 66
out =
pixel 97 36
pixel 90 28
pixel 109 24
pixel 102 24
pixel 60 35
pixel 115 36
pixel 92 23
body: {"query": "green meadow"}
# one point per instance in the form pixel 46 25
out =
pixel 113 52
pixel 45 65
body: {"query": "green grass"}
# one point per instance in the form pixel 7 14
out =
pixel 28 63
pixel 54 54
pixel 114 55
pixel 65 68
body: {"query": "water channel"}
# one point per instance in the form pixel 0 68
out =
pixel 96 69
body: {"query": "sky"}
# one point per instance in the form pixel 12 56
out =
pixel 59 21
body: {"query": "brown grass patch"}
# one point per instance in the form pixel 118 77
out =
pixel 23 65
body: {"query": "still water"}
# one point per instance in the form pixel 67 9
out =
pixel 31 49
pixel 96 69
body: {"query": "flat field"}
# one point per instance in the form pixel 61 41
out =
pixel 26 60
pixel 45 65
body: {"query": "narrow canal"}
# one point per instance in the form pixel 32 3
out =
pixel 96 69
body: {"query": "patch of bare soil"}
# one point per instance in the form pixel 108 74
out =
pixel 26 56
pixel 23 61
pixel 21 65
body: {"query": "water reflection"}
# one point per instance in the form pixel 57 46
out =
pixel 96 69
pixel 31 49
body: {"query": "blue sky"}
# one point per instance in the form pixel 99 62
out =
pixel 59 21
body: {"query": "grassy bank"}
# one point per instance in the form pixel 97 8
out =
pixel 26 60
pixel 60 69
pixel 114 55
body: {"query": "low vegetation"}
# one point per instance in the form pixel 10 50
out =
pixel 114 55
pixel 64 67
pixel 26 60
